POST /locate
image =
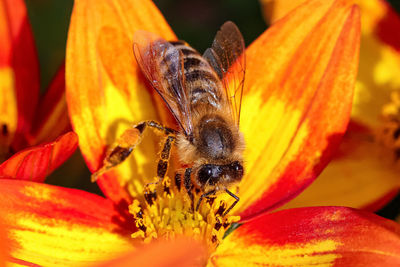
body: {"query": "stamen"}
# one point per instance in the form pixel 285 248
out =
pixel 166 212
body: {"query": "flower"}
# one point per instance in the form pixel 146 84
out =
pixel 296 105
pixel 26 120
pixel 364 172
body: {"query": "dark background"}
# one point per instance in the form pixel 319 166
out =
pixel 194 21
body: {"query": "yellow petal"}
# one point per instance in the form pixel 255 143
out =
pixel 105 92
pixel 55 226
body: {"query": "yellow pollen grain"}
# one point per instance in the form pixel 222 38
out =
pixel 171 214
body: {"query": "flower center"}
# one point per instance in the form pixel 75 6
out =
pixel 389 133
pixel 168 211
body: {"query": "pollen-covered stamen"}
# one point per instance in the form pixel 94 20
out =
pixel 166 212
pixel 389 134
pixel 150 194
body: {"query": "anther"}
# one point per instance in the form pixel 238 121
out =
pixel 139 214
pixel 210 200
pixel 150 197
pixel 167 190
pixel 226 225
pixel 142 227
pixel 221 209
pixel 167 186
pixel 217 226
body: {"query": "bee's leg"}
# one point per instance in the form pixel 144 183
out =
pixel 205 195
pixel 178 180
pixel 234 203
pixel 126 143
pixel 188 185
pixel 162 168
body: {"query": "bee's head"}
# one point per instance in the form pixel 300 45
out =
pixel 212 174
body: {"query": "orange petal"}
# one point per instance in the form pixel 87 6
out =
pixel 360 175
pixel 51 225
pixel 19 74
pixel 4 244
pixel 179 252
pixel 320 236
pixel 105 93
pixel 51 119
pixel 296 106
pixel 36 163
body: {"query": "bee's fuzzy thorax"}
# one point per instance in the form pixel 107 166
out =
pixel 192 152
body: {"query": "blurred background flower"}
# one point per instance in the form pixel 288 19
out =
pixel 26 118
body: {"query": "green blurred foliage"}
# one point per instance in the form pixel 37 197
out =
pixel 197 21
pixel 395 4
pixel 49 20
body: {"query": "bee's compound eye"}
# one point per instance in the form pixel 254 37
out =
pixel 205 173
pixel 237 168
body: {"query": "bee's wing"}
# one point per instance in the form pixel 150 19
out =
pixel 227 58
pixel 162 64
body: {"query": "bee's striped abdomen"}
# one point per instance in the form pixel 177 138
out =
pixel 201 81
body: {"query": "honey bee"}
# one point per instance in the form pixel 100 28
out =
pixel 206 107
